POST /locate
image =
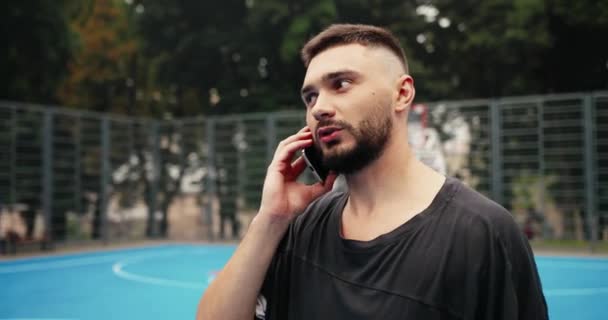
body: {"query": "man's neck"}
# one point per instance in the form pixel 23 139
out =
pixel 390 191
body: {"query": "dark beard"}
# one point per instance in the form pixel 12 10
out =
pixel 371 138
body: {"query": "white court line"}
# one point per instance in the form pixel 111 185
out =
pixel 575 292
pixel 44 266
pixel 118 269
pixel 574 265
pixel 38 319
pixel 67 263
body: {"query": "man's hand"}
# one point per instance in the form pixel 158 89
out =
pixel 233 293
pixel 283 198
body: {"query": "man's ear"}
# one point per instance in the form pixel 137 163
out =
pixel 405 93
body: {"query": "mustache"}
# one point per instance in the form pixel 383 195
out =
pixel 334 123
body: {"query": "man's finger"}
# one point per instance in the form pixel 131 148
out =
pixel 295 137
pixel 286 152
pixel 298 166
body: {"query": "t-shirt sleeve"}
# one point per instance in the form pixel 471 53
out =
pixel 273 298
pixel 509 284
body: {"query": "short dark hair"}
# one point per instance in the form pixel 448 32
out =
pixel 340 34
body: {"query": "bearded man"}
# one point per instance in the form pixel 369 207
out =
pixel 402 242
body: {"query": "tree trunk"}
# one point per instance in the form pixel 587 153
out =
pixel 164 223
pixel 96 232
pixel 29 216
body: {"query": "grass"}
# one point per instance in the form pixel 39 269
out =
pixel 571 246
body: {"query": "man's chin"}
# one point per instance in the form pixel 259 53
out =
pixel 335 149
pixel 336 159
pixel 326 146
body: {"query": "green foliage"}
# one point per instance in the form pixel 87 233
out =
pixel 182 58
pixel 99 75
pixel 37 45
pixel 319 14
pixel 529 189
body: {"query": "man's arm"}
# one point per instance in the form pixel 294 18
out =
pixel 233 293
pixel 510 286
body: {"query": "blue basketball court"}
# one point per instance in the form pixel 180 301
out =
pixel 166 282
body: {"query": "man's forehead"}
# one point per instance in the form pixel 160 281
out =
pixel 351 56
pixel 355 57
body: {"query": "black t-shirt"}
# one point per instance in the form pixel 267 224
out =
pixel 463 257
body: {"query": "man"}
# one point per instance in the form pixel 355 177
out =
pixel 404 242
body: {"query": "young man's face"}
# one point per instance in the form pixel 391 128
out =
pixel 349 92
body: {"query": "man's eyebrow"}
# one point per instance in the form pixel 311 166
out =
pixel 306 89
pixel 339 74
pixel 331 76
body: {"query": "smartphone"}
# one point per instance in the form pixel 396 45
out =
pixel 313 159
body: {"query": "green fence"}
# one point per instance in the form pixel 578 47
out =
pixel 72 176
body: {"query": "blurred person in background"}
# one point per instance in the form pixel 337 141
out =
pixel 400 242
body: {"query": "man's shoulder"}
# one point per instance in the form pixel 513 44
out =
pixel 473 202
pixel 320 209
pixel 476 211
pixel 314 220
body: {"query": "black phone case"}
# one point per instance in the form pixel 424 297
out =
pixel 315 164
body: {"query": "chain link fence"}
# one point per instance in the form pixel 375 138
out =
pixel 74 176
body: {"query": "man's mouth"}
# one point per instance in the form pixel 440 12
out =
pixel 328 133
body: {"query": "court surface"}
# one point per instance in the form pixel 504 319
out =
pixel 166 282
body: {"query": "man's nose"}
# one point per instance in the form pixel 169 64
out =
pixel 323 108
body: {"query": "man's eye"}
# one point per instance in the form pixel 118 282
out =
pixel 342 84
pixel 310 99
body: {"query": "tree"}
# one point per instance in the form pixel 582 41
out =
pixel 37 45
pixel 576 60
pixel 99 76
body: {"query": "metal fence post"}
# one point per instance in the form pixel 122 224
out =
pixel 241 164
pixel 590 169
pixel 211 176
pixel 47 174
pixel 78 165
pixel 541 163
pixel 182 162
pixel 154 142
pixel 496 152
pixel 13 164
pixel 105 177
pixel 271 137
